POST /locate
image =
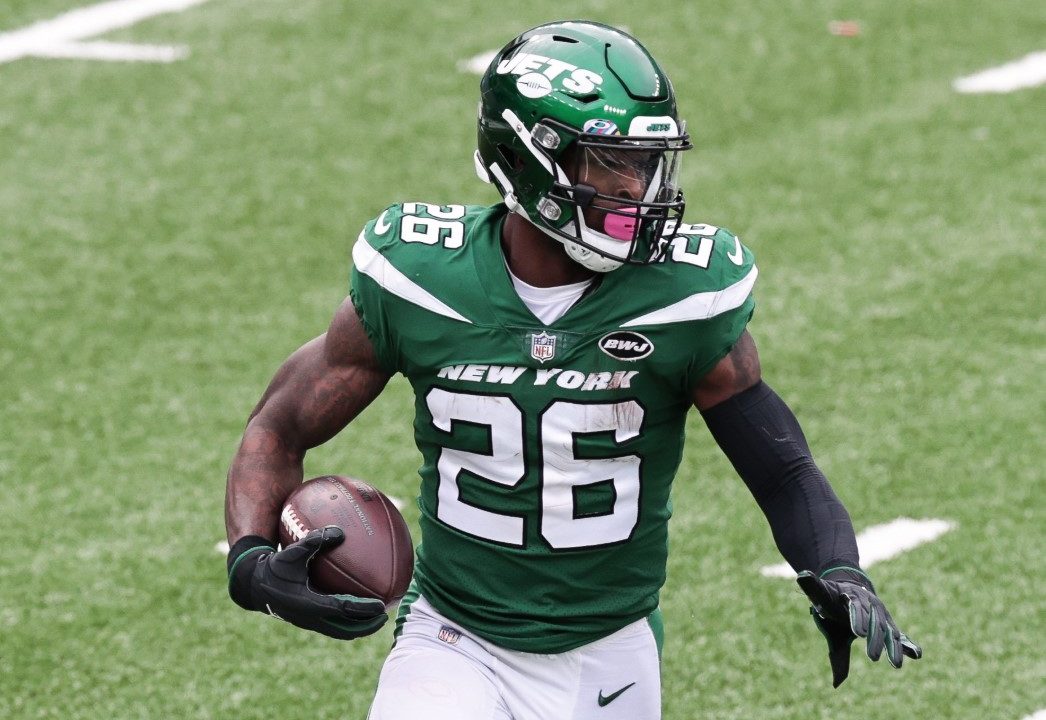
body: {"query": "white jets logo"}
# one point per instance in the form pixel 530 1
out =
pixel 570 77
pixel 542 346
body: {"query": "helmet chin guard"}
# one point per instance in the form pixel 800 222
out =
pixel 619 228
pixel 601 252
pixel 595 260
pixel 591 259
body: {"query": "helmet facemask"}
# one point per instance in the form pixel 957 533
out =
pixel 619 193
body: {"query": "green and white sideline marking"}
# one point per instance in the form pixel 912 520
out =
pixel 477 64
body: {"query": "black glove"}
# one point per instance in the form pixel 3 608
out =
pixel 845 607
pixel 277 583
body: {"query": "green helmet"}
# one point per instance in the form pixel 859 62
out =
pixel 579 133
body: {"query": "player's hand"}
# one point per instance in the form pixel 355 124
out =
pixel 277 583
pixel 846 607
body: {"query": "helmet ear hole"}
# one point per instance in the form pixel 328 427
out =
pixel 512 160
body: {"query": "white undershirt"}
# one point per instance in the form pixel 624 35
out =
pixel 551 303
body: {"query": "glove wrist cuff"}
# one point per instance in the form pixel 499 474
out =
pixel 241 567
pixel 848 573
pixel 247 542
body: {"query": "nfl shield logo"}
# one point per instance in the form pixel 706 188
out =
pixel 542 346
pixel 449 635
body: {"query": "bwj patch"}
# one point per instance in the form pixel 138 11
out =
pixel 626 345
pixel 542 346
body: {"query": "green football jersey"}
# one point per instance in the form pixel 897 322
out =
pixel 548 450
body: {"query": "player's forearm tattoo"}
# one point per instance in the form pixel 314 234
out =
pixel 311 399
pixel 262 474
pixel 335 400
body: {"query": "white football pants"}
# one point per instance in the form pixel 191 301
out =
pixel 438 671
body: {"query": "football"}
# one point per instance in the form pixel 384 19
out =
pixel 377 557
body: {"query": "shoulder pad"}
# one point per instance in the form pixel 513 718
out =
pixel 417 225
pixel 417 252
pixel 383 230
pixel 707 257
pixel 704 271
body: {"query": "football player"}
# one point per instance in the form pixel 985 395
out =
pixel 555 343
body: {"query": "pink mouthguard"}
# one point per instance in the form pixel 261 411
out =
pixel 621 227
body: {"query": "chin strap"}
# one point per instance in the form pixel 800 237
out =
pixel 578 253
pixel 589 258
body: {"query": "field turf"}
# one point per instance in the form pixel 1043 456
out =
pixel 170 232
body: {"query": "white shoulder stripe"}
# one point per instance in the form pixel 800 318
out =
pixel 371 263
pixel 701 306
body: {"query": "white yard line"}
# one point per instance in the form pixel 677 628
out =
pixel 477 64
pixel 1028 72
pixel 882 542
pixel 1038 715
pixel 58 36
pixel 125 52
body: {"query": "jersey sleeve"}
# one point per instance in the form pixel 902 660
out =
pixel 730 306
pixel 723 332
pixel 366 292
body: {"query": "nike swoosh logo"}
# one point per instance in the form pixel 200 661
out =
pixel 382 227
pixel 605 700
pixel 737 256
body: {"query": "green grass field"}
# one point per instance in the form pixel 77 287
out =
pixel 169 233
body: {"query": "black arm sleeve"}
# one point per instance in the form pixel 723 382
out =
pixel 761 437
